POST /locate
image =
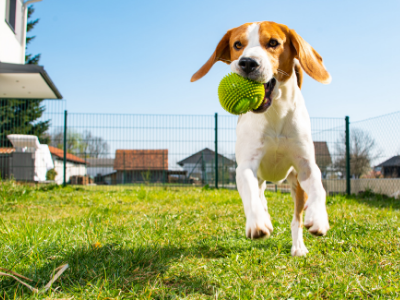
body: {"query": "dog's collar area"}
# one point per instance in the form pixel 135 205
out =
pixel 269 88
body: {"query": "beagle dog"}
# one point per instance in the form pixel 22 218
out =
pixel 274 142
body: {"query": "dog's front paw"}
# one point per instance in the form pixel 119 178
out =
pixel 316 219
pixel 258 225
pixel 299 249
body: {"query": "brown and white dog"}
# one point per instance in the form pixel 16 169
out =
pixel 274 142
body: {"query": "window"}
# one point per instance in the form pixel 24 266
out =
pixel 11 9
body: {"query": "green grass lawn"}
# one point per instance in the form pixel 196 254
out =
pixel 143 243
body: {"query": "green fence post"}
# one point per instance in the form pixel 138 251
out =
pixel 203 169
pixel 348 187
pixel 65 150
pixel 163 174
pixel 216 150
pixel 223 172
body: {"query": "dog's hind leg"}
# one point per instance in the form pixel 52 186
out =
pixel 299 198
pixel 309 178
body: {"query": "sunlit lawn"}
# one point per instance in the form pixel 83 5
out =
pixel 143 243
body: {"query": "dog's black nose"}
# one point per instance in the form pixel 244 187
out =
pixel 248 65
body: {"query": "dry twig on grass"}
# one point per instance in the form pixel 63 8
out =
pixel 15 276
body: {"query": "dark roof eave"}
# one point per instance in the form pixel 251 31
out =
pixel 69 160
pixel 391 162
pixel 220 156
pixel 109 174
pixel 7 68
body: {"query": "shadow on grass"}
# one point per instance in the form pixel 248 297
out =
pixel 140 267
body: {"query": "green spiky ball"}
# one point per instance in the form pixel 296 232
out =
pixel 238 95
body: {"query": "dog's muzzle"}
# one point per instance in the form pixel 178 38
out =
pixel 269 88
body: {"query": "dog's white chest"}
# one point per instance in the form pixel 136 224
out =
pixel 276 162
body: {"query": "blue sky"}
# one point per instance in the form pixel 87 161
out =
pixel 139 56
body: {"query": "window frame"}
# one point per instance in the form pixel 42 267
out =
pixel 11 6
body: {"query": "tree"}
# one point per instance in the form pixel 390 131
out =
pixel 74 141
pixel 363 151
pixel 94 146
pixel 29 59
pixel 85 145
pixel 21 116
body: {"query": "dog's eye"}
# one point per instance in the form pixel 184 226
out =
pixel 237 45
pixel 273 43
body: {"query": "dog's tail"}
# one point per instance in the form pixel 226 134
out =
pixel 299 72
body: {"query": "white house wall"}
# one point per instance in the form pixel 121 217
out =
pixel 12 46
pixel 73 169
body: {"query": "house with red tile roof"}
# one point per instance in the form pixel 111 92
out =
pixel 149 165
pixel 76 166
pixel 59 154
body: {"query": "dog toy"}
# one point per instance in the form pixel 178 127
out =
pixel 238 95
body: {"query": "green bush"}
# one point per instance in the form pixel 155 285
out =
pixel 51 174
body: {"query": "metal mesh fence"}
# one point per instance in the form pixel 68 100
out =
pixel 328 135
pixel 176 150
pixel 143 149
pixel 25 124
pixel 375 155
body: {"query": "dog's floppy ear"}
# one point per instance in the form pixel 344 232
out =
pixel 221 53
pixel 309 59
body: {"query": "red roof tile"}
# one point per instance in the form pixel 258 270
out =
pixel 70 157
pixel 7 150
pixel 141 160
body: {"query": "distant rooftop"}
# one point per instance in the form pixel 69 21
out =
pixel 7 150
pixel 208 156
pixel 70 157
pixel 322 155
pixel 156 159
pixel 391 162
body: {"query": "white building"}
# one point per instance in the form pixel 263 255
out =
pixel 18 80
pixel 75 166
pixel 30 159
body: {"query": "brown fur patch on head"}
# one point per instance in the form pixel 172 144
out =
pixel 290 46
pixel 310 60
pixel 239 34
pixel 299 74
pixel 282 56
pixel 225 51
pixel 221 53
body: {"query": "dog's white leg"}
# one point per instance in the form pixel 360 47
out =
pixel 250 150
pixel 258 222
pixel 262 185
pixel 309 177
pixel 299 199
